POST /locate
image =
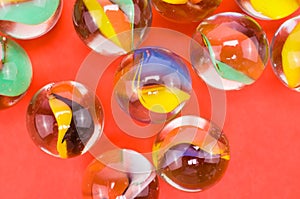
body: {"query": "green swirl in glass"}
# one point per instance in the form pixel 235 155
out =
pixel 16 70
pixel 29 12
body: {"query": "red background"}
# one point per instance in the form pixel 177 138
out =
pixel 262 125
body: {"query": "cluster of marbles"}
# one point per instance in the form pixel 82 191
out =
pixel 15 72
pixel 152 84
pixel 186 11
pixel 285 53
pixel 191 153
pixel 120 174
pixel 64 119
pixel 112 27
pixel 229 51
pixel 269 9
pixel 28 19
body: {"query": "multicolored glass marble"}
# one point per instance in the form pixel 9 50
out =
pixel 186 11
pixel 191 153
pixel 229 51
pixel 28 19
pixel 15 72
pixel 112 26
pixel 152 84
pixel 120 174
pixel 269 9
pixel 285 53
pixel 64 119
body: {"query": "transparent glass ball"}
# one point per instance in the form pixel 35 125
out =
pixel 285 53
pixel 23 19
pixel 64 119
pixel 112 27
pixel 269 9
pixel 229 51
pixel 15 72
pixel 191 153
pixel 152 84
pixel 120 174
pixel 186 11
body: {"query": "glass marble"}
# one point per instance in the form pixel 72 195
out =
pixel 120 174
pixel 152 84
pixel 285 53
pixel 269 9
pixel 15 72
pixel 112 26
pixel 186 11
pixel 229 51
pixel 191 153
pixel 28 19
pixel 64 119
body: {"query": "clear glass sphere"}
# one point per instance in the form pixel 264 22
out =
pixel 112 27
pixel 285 53
pixel 23 19
pixel 15 72
pixel 120 174
pixel 229 51
pixel 191 153
pixel 64 119
pixel 269 9
pixel 152 84
pixel 186 11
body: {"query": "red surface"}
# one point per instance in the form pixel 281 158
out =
pixel 262 125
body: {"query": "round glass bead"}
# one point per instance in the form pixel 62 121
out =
pixel 15 72
pixel 186 11
pixel 24 19
pixel 269 9
pixel 152 84
pixel 112 27
pixel 191 153
pixel 64 119
pixel 120 174
pixel 229 51
pixel 285 53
